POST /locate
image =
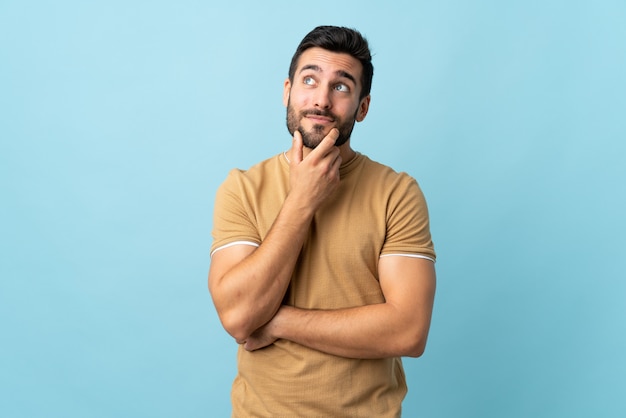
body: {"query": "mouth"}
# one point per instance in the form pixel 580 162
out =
pixel 319 119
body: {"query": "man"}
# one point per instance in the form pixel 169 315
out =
pixel 322 263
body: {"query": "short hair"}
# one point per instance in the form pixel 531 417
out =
pixel 338 39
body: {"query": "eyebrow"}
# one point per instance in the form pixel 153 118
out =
pixel 340 73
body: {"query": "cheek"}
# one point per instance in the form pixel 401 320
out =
pixel 349 111
pixel 299 99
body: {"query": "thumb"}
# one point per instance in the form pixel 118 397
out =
pixel 297 148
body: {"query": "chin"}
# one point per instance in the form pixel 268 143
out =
pixel 311 142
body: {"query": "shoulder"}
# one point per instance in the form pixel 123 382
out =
pixel 374 172
pixel 254 175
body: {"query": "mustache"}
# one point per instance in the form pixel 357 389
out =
pixel 317 112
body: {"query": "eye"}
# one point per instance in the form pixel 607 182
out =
pixel 308 81
pixel 342 88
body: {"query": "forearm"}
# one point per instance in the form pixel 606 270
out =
pixel 372 331
pixel 248 286
pixel 249 294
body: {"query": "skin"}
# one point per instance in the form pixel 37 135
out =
pixel 317 108
pixel 325 82
pixel 248 284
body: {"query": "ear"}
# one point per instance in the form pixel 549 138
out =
pixel 363 108
pixel 286 92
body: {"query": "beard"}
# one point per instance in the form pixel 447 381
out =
pixel 312 138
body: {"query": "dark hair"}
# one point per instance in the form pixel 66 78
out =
pixel 338 39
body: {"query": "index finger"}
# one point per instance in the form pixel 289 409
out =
pixel 296 148
pixel 328 143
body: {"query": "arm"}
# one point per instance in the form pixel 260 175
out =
pixel 397 327
pixel 248 284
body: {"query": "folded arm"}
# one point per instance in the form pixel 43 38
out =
pixel 397 327
pixel 248 284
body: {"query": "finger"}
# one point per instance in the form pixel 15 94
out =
pixel 328 143
pixel 297 148
pixel 252 346
pixel 337 163
pixel 334 167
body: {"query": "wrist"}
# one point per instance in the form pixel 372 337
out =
pixel 280 321
pixel 295 216
pixel 299 206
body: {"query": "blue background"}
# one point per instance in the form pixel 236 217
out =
pixel 118 121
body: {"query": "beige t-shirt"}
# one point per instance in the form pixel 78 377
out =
pixel 374 212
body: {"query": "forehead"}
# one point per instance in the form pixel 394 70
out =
pixel 330 62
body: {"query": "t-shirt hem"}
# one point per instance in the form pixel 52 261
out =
pixel 425 257
pixel 231 244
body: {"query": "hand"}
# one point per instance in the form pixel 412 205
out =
pixel 314 177
pixel 259 339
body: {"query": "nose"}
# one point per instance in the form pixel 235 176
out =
pixel 322 98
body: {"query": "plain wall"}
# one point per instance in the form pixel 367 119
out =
pixel 118 121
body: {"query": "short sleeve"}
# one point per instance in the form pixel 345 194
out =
pixel 232 219
pixel 408 225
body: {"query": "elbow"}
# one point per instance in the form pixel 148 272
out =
pixel 237 321
pixel 235 326
pixel 232 319
pixel 414 344
pixel 416 349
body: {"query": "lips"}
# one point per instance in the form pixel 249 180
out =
pixel 319 118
